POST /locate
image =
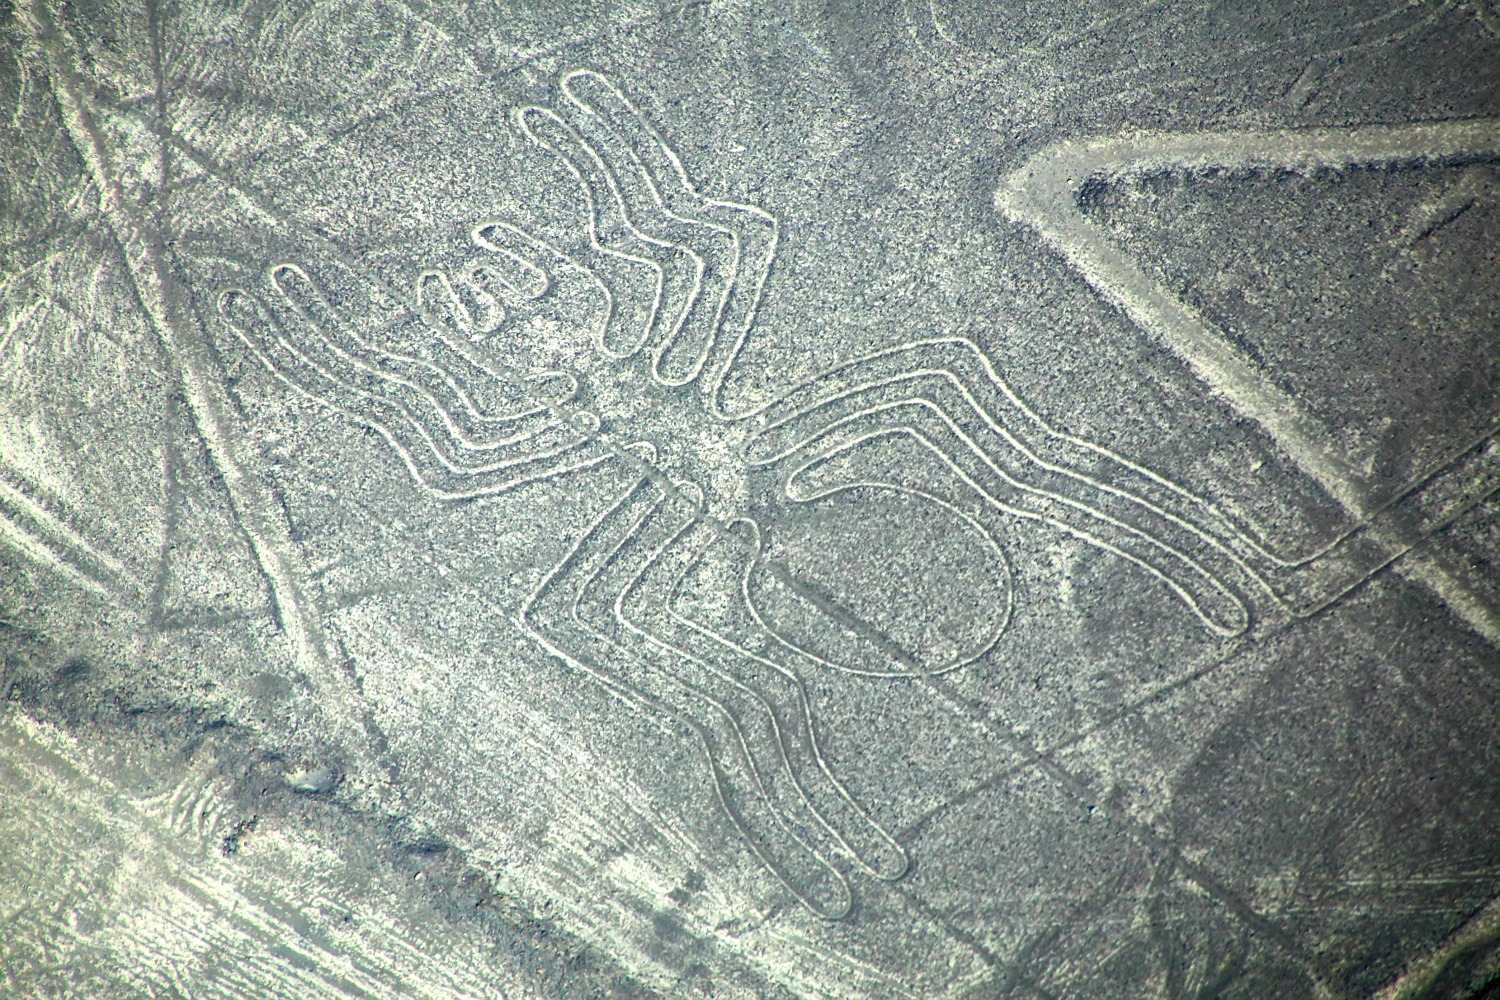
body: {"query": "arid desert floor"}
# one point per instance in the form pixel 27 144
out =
pixel 909 499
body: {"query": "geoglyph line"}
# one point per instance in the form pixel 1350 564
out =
pixel 634 183
pixel 47 554
pixel 757 739
pixel 1042 194
pixel 554 616
pixel 497 235
pixel 470 453
pixel 1095 494
pixel 588 181
pixel 885 663
pixel 143 253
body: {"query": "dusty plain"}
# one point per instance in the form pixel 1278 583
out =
pixel 906 499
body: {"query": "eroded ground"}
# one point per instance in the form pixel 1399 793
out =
pixel 912 500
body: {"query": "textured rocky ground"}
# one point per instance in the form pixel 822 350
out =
pixel 823 500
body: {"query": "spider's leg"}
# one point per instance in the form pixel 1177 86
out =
pixel 721 632
pixel 965 380
pixel 648 179
pixel 983 435
pixel 653 280
pixel 574 615
pixel 426 413
pixel 752 233
pixel 768 703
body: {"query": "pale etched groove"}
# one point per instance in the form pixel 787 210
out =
pixel 756 729
pixel 1019 452
pixel 638 195
pixel 365 383
pixel 1042 194
pixel 958 365
pixel 897 662
pixel 599 608
pixel 710 279
pixel 449 305
pixel 406 375
pixel 660 191
pixel 554 616
pixel 872 848
pixel 1117 278
pixel 33 529
pixel 45 554
pixel 142 250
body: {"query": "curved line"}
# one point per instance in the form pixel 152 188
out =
pixel 804 707
pixel 643 698
pixel 1006 572
pixel 984 456
pixel 332 377
pixel 1183 594
pixel 700 267
pixel 964 658
pixel 509 370
pixel 634 586
pixel 593 213
pixel 543 279
pixel 477 237
pixel 494 309
pixel 466 318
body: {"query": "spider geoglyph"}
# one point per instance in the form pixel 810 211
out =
pixel 665 282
